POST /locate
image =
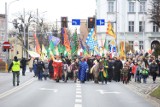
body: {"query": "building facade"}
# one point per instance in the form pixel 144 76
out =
pixel 131 22
pixel 2 34
pixel 2 27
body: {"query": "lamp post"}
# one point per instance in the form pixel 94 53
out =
pixel 7 16
pixel 6 22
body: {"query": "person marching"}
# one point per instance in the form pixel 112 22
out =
pixel 15 66
pixel 125 73
pixel 65 70
pixel 23 65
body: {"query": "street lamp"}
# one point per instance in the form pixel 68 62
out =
pixel 6 22
pixel 6 17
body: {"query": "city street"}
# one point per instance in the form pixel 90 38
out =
pixel 34 93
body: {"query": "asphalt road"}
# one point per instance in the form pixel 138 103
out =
pixel 34 93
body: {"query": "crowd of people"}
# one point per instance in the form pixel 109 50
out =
pixel 100 69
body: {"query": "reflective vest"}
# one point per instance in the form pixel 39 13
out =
pixel 16 66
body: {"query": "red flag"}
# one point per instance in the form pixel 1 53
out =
pixel 38 49
pixel 66 41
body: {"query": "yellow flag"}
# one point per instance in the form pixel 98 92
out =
pixel 110 30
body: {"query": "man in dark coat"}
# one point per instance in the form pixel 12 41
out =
pixel 117 69
pixel 110 70
pixel 23 65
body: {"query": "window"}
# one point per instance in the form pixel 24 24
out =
pixel 140 45
pixel 131 26
pixel 141 24
pixel 142 7
pixel 131 6
pixel 110 6
pixel 131 44
pixel 155 28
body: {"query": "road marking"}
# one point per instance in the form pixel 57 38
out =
pixel 78 89
pixel 78 96
pixel 16 88
pixel 78 105
pixel 78 100
pixel 105 92
pixel 78 86
pixel 78 92
pixel 47 89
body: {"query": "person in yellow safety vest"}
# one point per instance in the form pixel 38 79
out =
pixel 15 66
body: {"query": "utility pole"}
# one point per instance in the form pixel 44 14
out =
pixel 116 27
pixel 24 34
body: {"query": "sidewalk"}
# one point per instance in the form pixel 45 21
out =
pixel 144 90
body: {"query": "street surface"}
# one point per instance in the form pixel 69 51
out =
pixel 34 93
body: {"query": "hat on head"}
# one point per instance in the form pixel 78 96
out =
pixel 15 58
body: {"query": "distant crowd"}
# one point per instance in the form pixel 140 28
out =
pixel 97 68
pixel 100 69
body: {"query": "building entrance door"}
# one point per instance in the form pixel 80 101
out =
pixel 154 44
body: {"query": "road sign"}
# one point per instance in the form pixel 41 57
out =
pixel 6 45
pixel 75 21
pixel 100 22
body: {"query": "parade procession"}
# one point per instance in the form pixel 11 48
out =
pixel 79 53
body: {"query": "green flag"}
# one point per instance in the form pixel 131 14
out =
pixel 52 47
pixel 61 48
pixel 106 44
pixel 74 45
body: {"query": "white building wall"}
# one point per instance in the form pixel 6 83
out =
pixel 123 18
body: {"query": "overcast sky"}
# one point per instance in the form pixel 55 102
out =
pixel 80 9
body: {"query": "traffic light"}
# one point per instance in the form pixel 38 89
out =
pixel 91 22
pixel 64 22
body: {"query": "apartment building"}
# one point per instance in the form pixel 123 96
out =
pixel 131 22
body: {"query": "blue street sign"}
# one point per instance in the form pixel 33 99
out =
pixel 100 22
pixel 75 21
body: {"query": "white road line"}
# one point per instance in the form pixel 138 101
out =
pixel 78 101
pixel 78 86
pixel 78 89
pixel 78 105
pixel 78 92
pixel 78 96
pixel 16 88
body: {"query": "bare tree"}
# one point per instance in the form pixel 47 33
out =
pixel 155 12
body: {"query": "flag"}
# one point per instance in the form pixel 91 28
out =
pixel 52 48
pixel 122 53
pixel 66 41
pixel 33 54
pixel 81 44
pixel 44 53
pixel 61 48
pixel 110 30
pixel 54 39
pixel 90 40
pixel 74 46
pixel 38 49
pixel 106 44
